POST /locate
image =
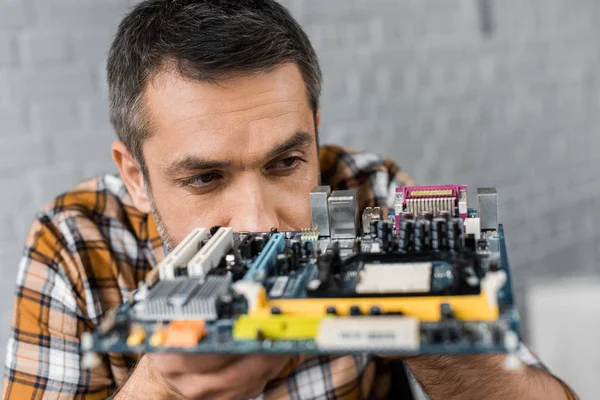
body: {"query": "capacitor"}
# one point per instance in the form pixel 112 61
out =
pixel 335 248
pixel 373 230
pixel 324 268
pixel 257 245
pixel 297 248
pixel 470 241
pixel 384 234
pixel 438 233
pixel 293 261
pixel 225 306
pixel 455 234
pixel 308 249
pixel 357 246
pixel 406 215
pixel 425 215
pixel 407 227
pixel 248 248
pixel 445 214
pixel 283 264
pixel 238 256
pixel 422 238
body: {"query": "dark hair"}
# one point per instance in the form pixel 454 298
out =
pixel 205 40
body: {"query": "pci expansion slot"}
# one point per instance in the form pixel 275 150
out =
pixel 182 254
pixel 266 259
pixel 211 253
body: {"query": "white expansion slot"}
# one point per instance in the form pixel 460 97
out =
pixel 182 253
pixel 211 253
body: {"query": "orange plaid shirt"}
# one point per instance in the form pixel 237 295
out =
pixel 87 250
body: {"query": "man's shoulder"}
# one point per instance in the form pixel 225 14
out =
pixel 85 231
pixel 101 197
pixel 83 255
pixel 97 214
pixel 373 176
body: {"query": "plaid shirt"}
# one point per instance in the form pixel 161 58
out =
pixel 86 252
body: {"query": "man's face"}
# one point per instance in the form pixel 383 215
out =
pixel 239 153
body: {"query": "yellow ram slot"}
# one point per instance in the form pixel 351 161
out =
pixel 427 308
pixel 281 327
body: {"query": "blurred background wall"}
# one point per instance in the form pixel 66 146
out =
pixel 499 93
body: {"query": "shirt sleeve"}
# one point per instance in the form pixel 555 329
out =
pixel 396 178
pixel 49 317
pixel 374 177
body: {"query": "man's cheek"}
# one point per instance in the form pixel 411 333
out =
pixel 296 213
pixel 181 219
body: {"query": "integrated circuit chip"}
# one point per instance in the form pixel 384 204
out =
pixel 395 278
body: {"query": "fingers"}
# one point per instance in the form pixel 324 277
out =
pixel 200 388
pixel 172 364
pixel 260 369
pixel 242 379
pixel 202 364
pixel 253 390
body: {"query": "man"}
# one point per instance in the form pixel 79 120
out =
pixel 216 105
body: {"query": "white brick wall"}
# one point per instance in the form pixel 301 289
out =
pixel 413 79
pixel 54 130
pixel 14 14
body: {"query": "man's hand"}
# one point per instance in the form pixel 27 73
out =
pixel 175 376
pixel 482 377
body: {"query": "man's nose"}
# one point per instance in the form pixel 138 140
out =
pixel 255 211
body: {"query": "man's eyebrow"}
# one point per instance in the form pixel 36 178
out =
pixel 300 139
pixel 193 163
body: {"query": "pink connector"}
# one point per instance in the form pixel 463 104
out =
pixel 456 192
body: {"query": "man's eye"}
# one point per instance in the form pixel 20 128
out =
pixel 202 180
pixel 287 163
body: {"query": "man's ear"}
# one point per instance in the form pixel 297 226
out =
pixel 132 175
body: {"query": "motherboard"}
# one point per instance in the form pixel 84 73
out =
pixel 430 276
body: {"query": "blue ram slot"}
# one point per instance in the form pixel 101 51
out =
pixel 260 267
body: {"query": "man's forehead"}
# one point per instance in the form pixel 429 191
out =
pixel 215 121
pixel 260 104
pixel 170 91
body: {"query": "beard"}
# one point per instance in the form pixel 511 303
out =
pixel 167 240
